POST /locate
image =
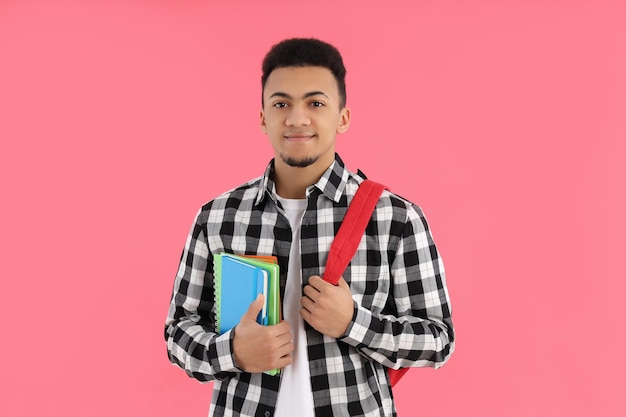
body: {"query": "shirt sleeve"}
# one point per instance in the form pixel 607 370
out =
pixel 192 343
pixel 420 333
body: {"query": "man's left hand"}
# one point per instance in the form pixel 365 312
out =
pixel 326 307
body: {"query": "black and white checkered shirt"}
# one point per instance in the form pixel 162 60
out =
pixel 402 315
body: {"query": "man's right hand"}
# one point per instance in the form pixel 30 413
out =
pixel 259 348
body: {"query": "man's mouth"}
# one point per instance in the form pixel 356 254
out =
pixel 298 137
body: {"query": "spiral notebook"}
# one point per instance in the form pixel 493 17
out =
pixel 238 280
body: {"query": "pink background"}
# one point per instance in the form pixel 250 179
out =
pixel 505 121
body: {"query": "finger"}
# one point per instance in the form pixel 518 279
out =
pixel 342 283
pixel 308 317
pixel 281 328
pixel 311 292
pixel 283 339
pixel 284 361
pixel 305 314
pixel 282 356
pixel 307 304
pixel 255 308
pixel 316 282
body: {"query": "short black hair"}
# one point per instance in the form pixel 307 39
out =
pixel 306 52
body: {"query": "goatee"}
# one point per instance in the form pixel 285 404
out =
pixel 298 163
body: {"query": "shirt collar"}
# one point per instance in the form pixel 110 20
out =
pixel 332 183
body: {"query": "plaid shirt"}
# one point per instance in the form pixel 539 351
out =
pixel 402 315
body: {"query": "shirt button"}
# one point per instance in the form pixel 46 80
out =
pixel 267 414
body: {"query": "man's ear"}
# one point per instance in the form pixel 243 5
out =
pixel 262 120
pixel 344 120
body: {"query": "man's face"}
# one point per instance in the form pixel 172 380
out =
pixel 301 115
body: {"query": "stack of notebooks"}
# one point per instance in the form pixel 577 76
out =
pixel 238 280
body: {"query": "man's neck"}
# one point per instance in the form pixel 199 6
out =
pixel 292 182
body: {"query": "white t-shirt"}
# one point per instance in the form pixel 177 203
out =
pixel 295 397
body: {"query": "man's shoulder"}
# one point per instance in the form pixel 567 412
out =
pixel 243 195
pixel 390 201
pixel 400 206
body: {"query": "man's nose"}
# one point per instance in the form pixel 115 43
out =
pixel 298 117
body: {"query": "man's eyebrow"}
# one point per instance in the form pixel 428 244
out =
pixel 315 93
pixel 307 95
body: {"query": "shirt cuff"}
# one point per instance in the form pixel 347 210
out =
pixel 224 361
pixel 358 332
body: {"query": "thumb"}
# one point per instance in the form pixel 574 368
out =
pixel 255 308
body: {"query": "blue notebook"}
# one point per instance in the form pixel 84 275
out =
pixel 269 264
pixel 237 285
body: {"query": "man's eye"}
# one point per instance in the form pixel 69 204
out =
pixel 317 104
pixel 280 104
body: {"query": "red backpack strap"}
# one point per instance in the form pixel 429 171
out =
pixel 347 240
pixel 344 245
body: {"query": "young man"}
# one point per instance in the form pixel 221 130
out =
pixel 390 309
